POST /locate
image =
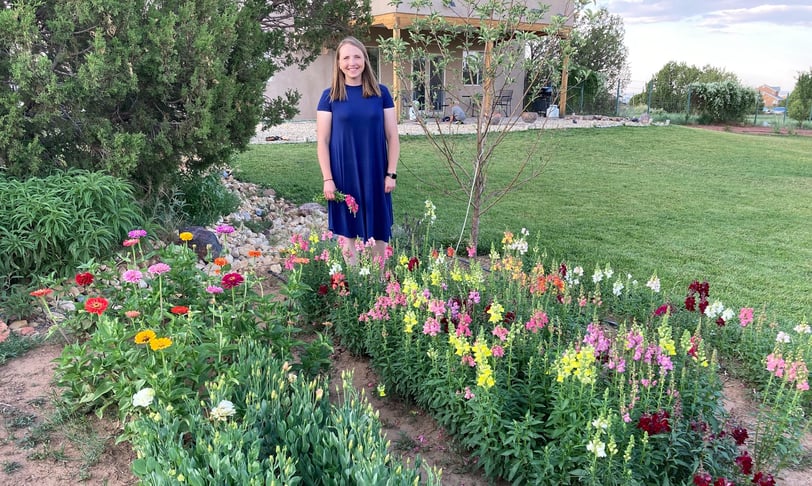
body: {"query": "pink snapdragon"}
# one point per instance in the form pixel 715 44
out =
pixel 745 316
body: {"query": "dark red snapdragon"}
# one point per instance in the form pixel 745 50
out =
pixel 654 423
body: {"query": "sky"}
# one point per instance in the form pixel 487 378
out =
pixel 761 41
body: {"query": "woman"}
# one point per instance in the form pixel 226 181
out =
pixel 358 150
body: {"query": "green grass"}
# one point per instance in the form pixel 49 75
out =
pixel 682 202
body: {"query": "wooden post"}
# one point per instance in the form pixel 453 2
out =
pixel 396 79
pixel 564 77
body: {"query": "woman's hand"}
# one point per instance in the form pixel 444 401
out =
pixel 329 190
pixel 389 184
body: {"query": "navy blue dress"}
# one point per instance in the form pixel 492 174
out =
pixel 358 160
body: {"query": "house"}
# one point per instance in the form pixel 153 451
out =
pixel 390 21
pixel 770 96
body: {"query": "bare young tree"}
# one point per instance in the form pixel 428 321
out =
pixel 482 47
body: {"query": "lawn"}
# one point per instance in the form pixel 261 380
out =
pixel 682 202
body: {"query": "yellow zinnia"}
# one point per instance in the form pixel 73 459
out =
pixel 144 337
pixel 186 236
pixel 158 344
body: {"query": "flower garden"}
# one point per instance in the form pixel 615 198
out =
pixel 547 372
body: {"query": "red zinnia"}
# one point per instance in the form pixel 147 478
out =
pixel 85 278
pixel 96 305
pixel 179 309
pixel 231 280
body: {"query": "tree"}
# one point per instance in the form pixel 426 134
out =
pixel 725 101
pixel 669 86
pixel 599 54
pixel 803 94
pixel 799 109
pixel 493 29
pixel 141 88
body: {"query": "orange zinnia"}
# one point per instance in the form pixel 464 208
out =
pixel 254 253
pixel 41 292
pixel 220 261
pixel 96 305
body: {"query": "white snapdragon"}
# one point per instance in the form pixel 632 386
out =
pixel 617 288
pixel 654 283
pixel 715 309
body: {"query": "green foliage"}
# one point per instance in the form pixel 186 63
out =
pixel 670 85
pixel 17 345
pixel 799 110
pixel 723 102
pixel 52 224
pixel 283 431
pixel 803 86
pixel 205 197
pixel 140 88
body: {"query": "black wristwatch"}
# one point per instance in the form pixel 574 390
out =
pixel 393 175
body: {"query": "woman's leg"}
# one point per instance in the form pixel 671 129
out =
pixel 348 250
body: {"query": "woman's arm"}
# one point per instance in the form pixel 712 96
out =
pixel 324 121
pixel 390 125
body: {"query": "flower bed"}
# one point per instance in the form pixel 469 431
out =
pixel 550 375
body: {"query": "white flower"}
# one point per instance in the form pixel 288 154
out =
pixel 525 232
pixel 579 270
pixel 597 276
pixel 430 211
pixel 782 337
pixel 608 272
pixel 600 423
pixel 364 271
pixel 597 447
pixel 715 309
pixel 223 411
pixel 654 283
pixel 335 268
pixel 617 288
pixel 728 314
pixel 144 397
pixel 803 328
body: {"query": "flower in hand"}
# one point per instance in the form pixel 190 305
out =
pixel 347 199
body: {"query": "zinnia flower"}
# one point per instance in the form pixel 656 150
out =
pixel 137 233
pixel 85 278
pixel 186 236
pixel 144 397
pixel 213 289
pixel 254 253
pixel 220 262
pixel 41 292
pixel 231 280
pixel 158 268
pixel 144 337
pixel 157 344
pixel 132 276
pixel 179 310
pixel 130 242
pixel 132 314
pixel 96 305
pixel 225 229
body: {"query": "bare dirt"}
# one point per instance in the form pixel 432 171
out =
pixel 756 130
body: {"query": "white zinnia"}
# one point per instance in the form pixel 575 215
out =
pixel 223 411
pixel 144 397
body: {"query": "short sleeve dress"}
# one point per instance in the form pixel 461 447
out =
pixel 358 160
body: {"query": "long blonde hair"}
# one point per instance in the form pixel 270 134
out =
pixel 338 90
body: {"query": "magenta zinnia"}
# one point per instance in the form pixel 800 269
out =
pixel 158 268
pixel 132 276
pixel 231 280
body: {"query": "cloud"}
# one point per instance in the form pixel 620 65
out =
pixel 712 14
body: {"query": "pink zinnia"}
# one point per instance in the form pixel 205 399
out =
pixel 137 233
pixel 130 242
pixel 231 280
pixel 132 314
pixel 225 229
pixel 158 268
pixel 132 276
pixel 213 289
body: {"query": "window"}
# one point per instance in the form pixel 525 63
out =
pixel 374 61
pixel 472 68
